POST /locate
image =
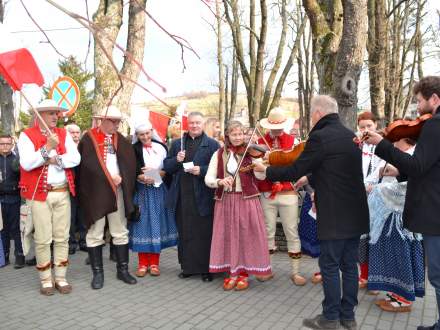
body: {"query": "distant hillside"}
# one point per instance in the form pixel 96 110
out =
pixel 207 103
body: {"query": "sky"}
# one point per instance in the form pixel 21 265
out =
pixel 185 18
pixel 189 19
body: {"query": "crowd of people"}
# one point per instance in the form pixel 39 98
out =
pixel 367 210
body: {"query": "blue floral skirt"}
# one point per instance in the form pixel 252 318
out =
pixel 156 229
pixel 308 230
pixel 396 262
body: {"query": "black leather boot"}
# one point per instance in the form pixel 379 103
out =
pixel 112 256
pixel 121 252
pixel 95 257
pixel 19 262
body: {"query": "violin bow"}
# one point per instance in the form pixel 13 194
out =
pixel 245 151
pixel 262 136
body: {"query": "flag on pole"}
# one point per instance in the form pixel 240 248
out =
pixel 17 66
pixel 182 116
pixel 160 123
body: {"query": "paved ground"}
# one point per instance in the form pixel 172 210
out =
pixel 168 302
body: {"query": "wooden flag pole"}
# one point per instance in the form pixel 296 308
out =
pixel 36 113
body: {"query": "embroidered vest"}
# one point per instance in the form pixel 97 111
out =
pixel 247 179
pixel 29 179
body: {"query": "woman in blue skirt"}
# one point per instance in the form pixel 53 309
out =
pixel 308 231
pixel 396 259
pixel 156 227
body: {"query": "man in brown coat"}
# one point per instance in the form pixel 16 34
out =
pixel 106 179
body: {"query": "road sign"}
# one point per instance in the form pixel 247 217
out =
pixel 66 93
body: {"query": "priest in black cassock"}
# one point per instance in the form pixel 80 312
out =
pixel 193 201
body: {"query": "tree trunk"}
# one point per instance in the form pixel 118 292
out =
pixel 350 59
pixel 377 40
pixel 234 85
pixel 135 46
pixel 221 75
pixel 108 18
pixel 326 23
pixel 6 103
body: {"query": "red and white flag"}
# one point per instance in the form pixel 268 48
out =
pixel 182 116
pixel 160 124
pixel 17 66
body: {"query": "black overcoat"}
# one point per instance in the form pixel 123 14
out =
pixel 333 162
pixel 421 213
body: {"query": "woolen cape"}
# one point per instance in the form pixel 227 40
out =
pixel 97 193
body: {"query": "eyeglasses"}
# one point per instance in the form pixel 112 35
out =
pixel 5 144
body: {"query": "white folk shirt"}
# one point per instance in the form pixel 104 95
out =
pixel 31 159
pixel 154 156
pixel 371 164
pixel 110 159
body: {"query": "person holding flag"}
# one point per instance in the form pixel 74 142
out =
pixel 192 200
pixel 46 178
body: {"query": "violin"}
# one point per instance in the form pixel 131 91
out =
pixel 254 150
pixel 280 157
pixel 283 158
pixel 400 129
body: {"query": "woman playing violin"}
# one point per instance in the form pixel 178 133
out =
pixel 239 244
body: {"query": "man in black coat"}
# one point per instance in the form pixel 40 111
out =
pixel 422 170
pixel 333 165
pixel 192 200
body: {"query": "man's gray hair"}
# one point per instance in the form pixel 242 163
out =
pixel 72 127
pixel 195 113
pixel 324 103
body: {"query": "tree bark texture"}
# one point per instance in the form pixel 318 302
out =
pixel 109 20
pixel 377 40
pixel 349 60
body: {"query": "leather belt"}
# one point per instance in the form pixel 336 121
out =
pixel 57 188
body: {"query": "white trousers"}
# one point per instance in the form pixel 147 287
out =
pixel 286 205
pixel 117 223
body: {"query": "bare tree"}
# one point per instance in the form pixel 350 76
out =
pixel 261 96
pixel 306 70
pixel 6 103
pixel 377 42
pixel 221 74
pixel 108 19
pixel 403 55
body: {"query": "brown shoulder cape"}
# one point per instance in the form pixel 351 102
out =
pixel 97 194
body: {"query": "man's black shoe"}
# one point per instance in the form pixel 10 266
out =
pixel 349 324
pixel 31 262
pixel 72 250
pixel 83 246
pixel 320 322
pixel 207 277
pixel 183 275
pixel 19 262
pixel 421 327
